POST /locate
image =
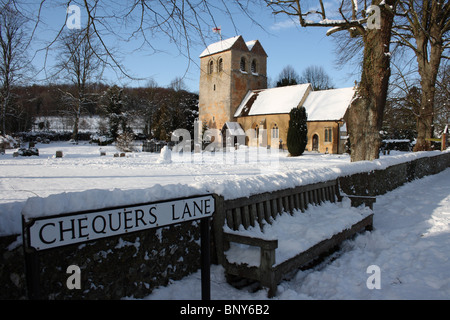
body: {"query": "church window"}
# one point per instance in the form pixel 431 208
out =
pixel 220 65
pixel 211 67
pixel 254 70
pixel 328 135
pixel 275 132
pixel 255 128
pixel 243 64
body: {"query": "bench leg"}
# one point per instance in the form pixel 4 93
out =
pixel 267 274
pixel 268 281
pixel 272 290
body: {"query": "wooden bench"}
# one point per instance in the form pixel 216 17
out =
pixel 256 213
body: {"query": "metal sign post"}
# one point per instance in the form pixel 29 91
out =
pixel 49 232
pixel 205 259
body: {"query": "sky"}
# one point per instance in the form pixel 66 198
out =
pixel 285 42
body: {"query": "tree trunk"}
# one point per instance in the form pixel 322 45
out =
pixel 425 118
pixel 365 115
pixel 5 102
pixel 428 70
pixel 75 129
pixel 76 121
pixel 3 128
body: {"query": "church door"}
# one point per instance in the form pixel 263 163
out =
pixel 315 143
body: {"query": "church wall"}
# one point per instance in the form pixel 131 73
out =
pixel 242 82
pixel 282 122
pixel 215 88
pixel 318 128
pixel 267 122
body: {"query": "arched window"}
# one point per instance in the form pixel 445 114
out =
pixel 315 142
pixel 220 65
pixel 211 67
pixel 254 69
pixel 243 64
pixel 275 131
pixel 328 135
pixel 255 127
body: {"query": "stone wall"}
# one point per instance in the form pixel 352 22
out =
pixel 133 265
pixel 378 182
pixel 126 266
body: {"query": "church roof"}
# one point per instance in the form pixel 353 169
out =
pixel 234 128
pixel 219 46
pixel 227 44
pixel 272 101
pixel 324 105
pixel 330 104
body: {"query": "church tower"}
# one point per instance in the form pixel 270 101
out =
pixel 229 69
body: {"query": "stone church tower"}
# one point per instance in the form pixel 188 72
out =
pixel 229 69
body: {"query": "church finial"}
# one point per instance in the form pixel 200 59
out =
pixel 218 30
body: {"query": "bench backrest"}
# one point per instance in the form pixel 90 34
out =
pixel 256 209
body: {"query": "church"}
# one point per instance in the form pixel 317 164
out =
pixel 233 95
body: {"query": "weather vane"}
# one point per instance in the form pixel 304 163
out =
pixel 218 30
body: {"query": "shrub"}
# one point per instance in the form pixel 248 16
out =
pixel 297 136
pixel 125 142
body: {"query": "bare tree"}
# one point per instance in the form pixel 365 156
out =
pixel 317 77
pixel 287 77
pixel 424 27
pixel 182 22
pixel 13 64
pixel 178 84
pixel 81 61
pixel 373 24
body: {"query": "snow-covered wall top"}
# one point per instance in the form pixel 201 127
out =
pixel 229 189
pixel 232 188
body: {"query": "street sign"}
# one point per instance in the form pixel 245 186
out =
pixel 49 232
pixel 55 231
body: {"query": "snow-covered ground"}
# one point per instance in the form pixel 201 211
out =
pixel 409 250
pixel 409 246
pixel 84 180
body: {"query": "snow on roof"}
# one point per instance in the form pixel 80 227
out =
pixel 324 105
pixel 272 101
pixel 328 104
pixel 250 44
pixel 219 46
pixel 234 129
pixel 225 45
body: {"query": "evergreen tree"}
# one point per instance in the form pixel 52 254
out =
pixel 287 77
pixel 113 105
pixel 297 133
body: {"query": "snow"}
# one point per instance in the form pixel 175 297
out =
pixel 323 105
pixel 165 156
pixel 7 141
pixel 298 232
pixel 84 180
pixel 234 129
pixel 250 44
pixel 409 245
pixel 273 101
pixel 328 104
pixel 225 45
pixel 219 46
